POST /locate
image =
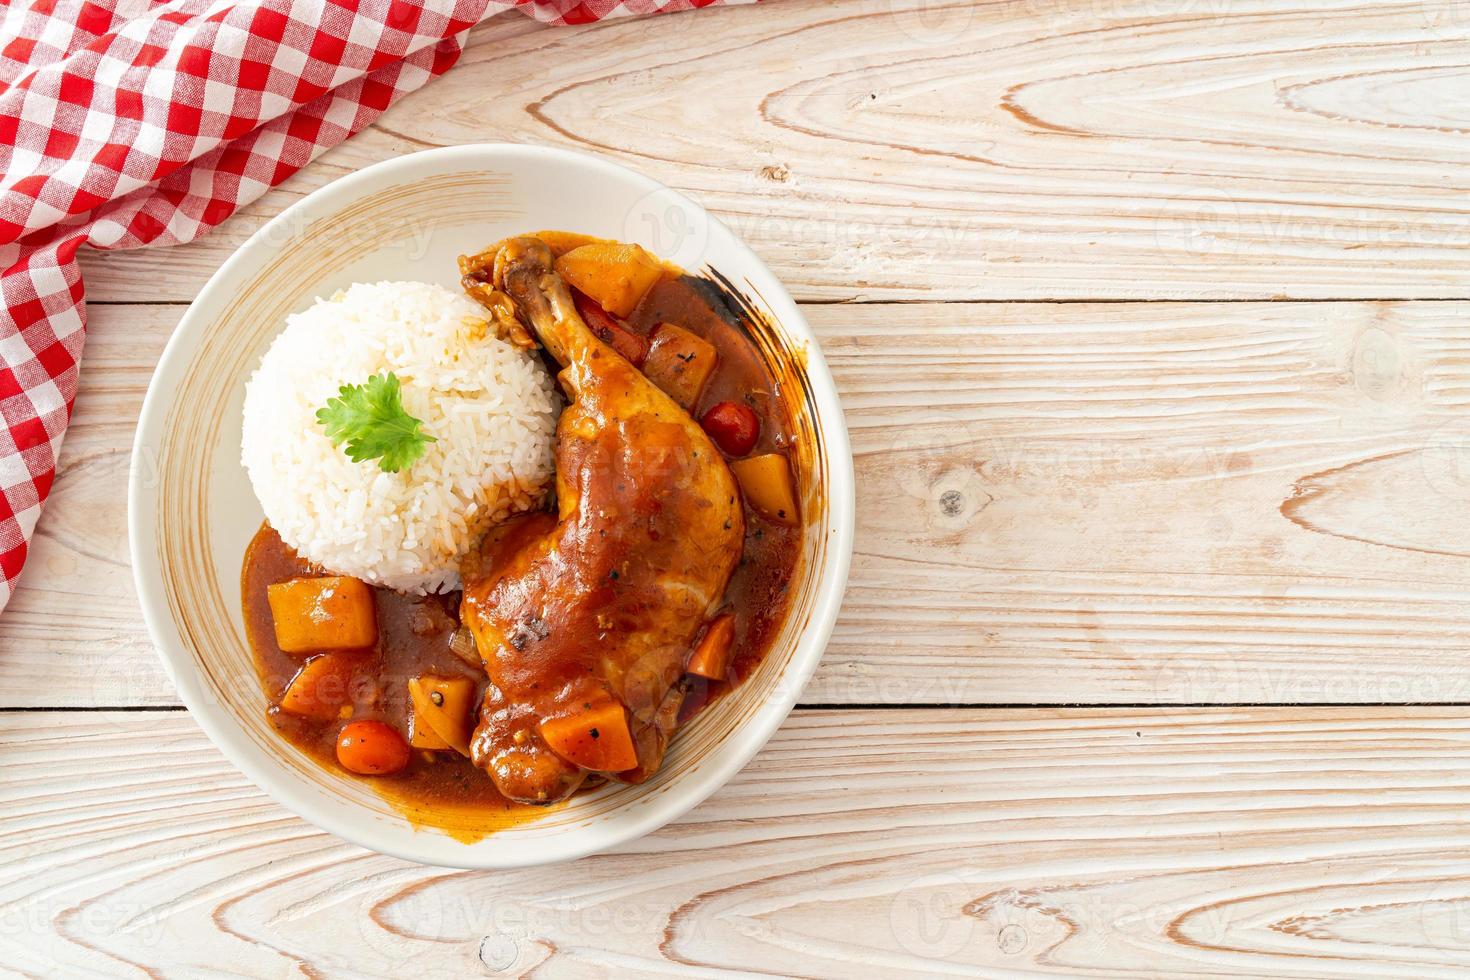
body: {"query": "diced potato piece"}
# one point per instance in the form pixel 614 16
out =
pixel 445 705
pixel 320 688
pixel 421 736
pixel 767 485
pixel 562 242
pixel 333 613
pixel 597 738
pixel 614 274
pixel 680 363
pixel 711 658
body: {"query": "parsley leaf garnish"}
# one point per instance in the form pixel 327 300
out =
pixel 370 419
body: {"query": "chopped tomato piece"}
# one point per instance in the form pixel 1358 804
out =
pixel 371 748
pixel 733 426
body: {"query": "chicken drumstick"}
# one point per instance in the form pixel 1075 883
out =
pixel 602 600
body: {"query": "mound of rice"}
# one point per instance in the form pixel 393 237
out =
pixel 491 407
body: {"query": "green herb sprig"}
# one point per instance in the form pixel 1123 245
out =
pixel 370 418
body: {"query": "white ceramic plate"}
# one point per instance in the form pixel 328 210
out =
pixel 191 511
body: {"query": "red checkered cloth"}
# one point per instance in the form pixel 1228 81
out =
pixel 130 123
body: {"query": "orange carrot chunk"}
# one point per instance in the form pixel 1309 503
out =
pixel 332 613
pixel 711 657
pixel 596 738
pixel 320 688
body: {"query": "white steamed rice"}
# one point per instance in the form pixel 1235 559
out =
pixel 491 408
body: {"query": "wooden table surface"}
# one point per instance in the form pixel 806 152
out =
pixel 1151 319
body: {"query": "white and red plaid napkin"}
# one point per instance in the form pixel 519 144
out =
pixel 128 123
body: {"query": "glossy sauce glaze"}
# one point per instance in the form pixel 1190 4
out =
pixel 442 788
pixel 757 594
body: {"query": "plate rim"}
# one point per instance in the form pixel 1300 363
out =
pixel 685 793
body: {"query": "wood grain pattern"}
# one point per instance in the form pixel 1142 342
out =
pixel 1029 149
pixel 1166 503
pixel 1162 503
pixel 902 843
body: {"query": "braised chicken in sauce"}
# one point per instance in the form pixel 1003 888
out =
pixel 586 632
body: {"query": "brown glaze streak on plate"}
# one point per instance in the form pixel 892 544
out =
pixel 206 614
pixel 787 364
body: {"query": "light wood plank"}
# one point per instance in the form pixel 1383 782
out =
pixel 1272 842
pixel 1007 150
pixel 1155 503
pixel 1171 503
